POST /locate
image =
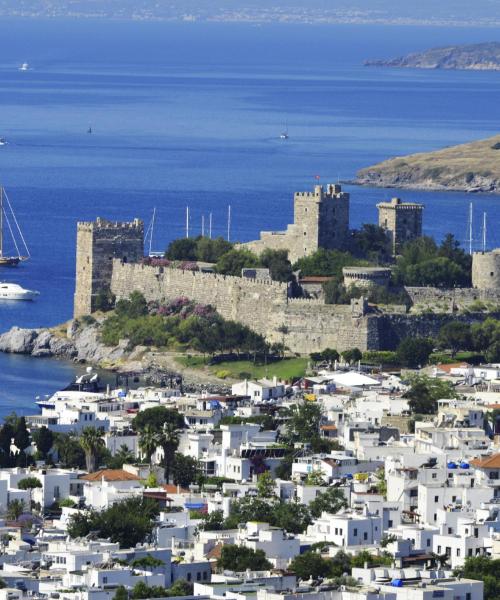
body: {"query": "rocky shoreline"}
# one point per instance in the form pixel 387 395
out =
pixel 82 344
pixel 407 180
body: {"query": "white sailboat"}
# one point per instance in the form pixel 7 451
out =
pixel 284 133
pixel 8 222
pixel 24 67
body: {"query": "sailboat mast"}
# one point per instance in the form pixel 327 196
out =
pixel 484 232
pixel 470 228
pixel 151 232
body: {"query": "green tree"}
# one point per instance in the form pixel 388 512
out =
pixel 169 442
pixel 136 306
pixel 29 483
pixel 291 516
pixel 327 263
pixel 122 456
pixel 208 250
pixel 310 565
pixel 232 262
pixel 156 417
pixel 371 242
pixel 128 522
pixel 414 352
pixel 484 569
pixel 241 558
pixel 181 587
pixel 352 356
pixel 22 436
pixel 147 562
pixel 332 500
pixel 15 509
pixel 149 441
pixel 91 441
pixel 303 422
pixel 44 440
pixel 455 336
pixel 249 509
pixel 424 392
pixel 213 521
pixel 121 593
pixel 181 249
pixel 70 453
pixel 266 485
pixel 185 470
pixel 278 264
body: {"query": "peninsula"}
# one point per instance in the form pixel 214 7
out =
pixel 472 167
pixel 474 57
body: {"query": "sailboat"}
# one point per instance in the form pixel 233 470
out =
pixel 284 133
pixel 8 222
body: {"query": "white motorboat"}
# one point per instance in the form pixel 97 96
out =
pixel 13 291
pixel 24 67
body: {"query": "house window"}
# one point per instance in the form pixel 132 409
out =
pixel 198 576
pixel 435 517
pixel 434 475
pixel 458 551
pixel 205 575
pixel 355 532
pixel 389 523
pixel 188 577
pixel 450 530
pixel 428 543
pixel 468 596
pixel 365 535
pixel 439 549
pixel 105 580
pixel 436 498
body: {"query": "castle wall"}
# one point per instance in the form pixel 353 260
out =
pixel 450 299
pixel 262 306
pixel 394 328
pixel 486 270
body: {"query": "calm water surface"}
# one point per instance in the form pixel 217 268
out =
pixel 190 115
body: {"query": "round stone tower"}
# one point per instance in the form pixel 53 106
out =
pixel 486 270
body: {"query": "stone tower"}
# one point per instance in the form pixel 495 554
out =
pixel 486 270
pixel 321 220
pixel 97 244
pixel 401 220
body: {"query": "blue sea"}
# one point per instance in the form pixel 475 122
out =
pixel 190 115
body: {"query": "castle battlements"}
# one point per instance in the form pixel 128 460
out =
pixel 100 224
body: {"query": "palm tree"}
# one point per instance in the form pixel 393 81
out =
pixel 91 441
pixel 169 441
pixel 149 441
pixel 15 509
pixel 123 455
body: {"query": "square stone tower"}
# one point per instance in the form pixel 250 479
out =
pixel 321 220
pixel 401 220
pixel 97 244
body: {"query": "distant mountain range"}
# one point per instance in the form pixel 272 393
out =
pixel 477 57
pixel 446 12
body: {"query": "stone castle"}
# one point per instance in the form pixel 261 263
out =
pixel 321 220
pixel 109 258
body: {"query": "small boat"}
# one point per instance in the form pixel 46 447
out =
pixel 284 133
pixel 24 67
pixel 3 141
pixel 8 222
pixel 13 291
pixel 89 130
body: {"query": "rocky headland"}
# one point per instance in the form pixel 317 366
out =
pixel 474 57
pixel 472 167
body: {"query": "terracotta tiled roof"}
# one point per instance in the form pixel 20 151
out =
pixel 489 462
pixel 215 552
pixel 446 368
pixel 110 475
pixel 170 488
pixel 328 427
